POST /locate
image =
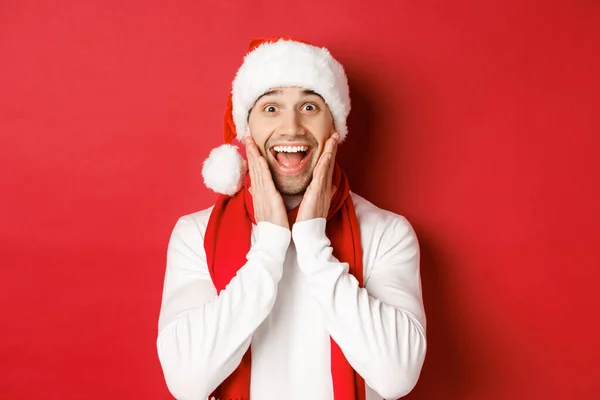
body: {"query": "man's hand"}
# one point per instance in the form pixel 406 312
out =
pixel 268 203
pixel 317 198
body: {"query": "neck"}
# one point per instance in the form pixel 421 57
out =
pixel 291 201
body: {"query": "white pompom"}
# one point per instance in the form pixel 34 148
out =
pixel 224 170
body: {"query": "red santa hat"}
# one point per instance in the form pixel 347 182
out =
pixel 269 63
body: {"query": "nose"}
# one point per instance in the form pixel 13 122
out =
pixel 291 123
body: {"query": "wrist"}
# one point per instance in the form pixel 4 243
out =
pixel 273 234
pixel 310 233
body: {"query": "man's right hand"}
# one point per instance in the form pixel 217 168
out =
pixel 268 203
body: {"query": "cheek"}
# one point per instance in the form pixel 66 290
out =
pixel 321 129
pixel 260 131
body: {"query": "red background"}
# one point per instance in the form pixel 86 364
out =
pixel 478 121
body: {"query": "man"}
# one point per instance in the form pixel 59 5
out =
pixel 291 286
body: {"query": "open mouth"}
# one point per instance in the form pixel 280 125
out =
pixel 290 159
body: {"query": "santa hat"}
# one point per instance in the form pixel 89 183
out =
pixel 269 63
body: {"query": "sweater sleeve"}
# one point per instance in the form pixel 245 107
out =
pixel 203 336
pixel 380 328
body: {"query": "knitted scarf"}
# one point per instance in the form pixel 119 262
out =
pixel 227 241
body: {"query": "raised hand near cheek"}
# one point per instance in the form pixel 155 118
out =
pixel 268 203
pixel 317 198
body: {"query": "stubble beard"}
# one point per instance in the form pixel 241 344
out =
pixel 292 185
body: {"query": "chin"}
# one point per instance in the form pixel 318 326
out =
pixel 292 186
pixel 285 192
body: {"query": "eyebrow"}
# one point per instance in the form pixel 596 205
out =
pixel 305 92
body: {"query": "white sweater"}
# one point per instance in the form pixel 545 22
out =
pixel 285 302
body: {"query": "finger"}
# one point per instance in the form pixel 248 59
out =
pixel 252 155
pixel 266 177
pixel 336 139
pixel 251 160
pixel 327 157
pixel 262 174
pixel 247 141
pixel 250 145
pixel 331 165
pixel 329 145
pixel 320 172
pixel 334 147
pixel 249 155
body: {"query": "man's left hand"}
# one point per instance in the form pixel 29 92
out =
pixel 317 198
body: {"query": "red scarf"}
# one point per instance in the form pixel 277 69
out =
pixel 227 241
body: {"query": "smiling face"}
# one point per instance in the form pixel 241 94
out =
pixel 290 126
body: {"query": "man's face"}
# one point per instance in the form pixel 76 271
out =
pixel 290 126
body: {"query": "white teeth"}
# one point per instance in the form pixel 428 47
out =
pixel 290 149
